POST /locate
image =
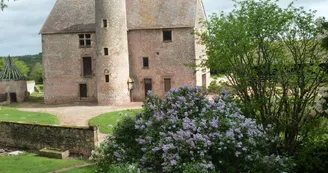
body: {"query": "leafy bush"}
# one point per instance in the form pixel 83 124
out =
pixel 217 87
pixel 123 142
pixel 185 132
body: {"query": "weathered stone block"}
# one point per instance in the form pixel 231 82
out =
pixel 54 153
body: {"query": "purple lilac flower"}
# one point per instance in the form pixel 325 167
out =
pixel 116 154
pixel 173 162
pixel 214 123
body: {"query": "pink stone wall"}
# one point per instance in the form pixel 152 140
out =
pixel 166 59
pixel 62 62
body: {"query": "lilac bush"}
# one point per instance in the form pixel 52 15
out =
pixel 186 132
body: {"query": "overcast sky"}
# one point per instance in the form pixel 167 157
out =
pixel 22 21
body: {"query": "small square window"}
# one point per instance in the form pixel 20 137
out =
pixel 81 35
pixel 105 51
pixel 167 35
pixel 105 23
pixel 145 62
pixel 107 78
pixel 87 36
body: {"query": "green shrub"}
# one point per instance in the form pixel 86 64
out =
pixel 313 156
pixel 123 141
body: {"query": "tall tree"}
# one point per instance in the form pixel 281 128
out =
pixel 272 57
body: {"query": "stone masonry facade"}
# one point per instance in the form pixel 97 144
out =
pixel 128 50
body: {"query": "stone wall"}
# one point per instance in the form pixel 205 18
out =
pixel 63 68
pixel 166 59
pixel 78 140
pixel 18 87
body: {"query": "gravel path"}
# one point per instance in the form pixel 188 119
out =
pixel 76 114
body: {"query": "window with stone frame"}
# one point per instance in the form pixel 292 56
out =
pixel 105 23
pixel 145 62
pixel 87 66
pixel 85 40
pixel 167 35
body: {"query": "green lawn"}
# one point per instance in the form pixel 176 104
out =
pixel 32 163
pixel 87 169
pixel 36 97
pixel 10 114
pixel 105 120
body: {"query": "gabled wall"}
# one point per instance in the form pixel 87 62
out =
pixel 62 62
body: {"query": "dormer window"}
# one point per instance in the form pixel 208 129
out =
pixel 167 35
pixel 85 40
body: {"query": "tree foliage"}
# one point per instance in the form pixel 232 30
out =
pixel 325 39
pixel 3 5
pixel 272 57
pixel 23 67
pixel 37 73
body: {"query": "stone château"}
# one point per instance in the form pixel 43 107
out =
pixel 114 51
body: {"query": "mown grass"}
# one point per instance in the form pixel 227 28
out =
pixel 14 115
pixel 107 121
pixel 33 163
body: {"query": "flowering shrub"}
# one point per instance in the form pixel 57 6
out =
pixel 185 132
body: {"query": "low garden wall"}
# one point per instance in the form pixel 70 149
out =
pixel 78 140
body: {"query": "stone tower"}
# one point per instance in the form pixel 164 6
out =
pixel 112 69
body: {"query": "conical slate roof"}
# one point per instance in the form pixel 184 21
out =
pixel 11 71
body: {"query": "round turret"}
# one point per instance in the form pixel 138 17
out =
pixel 112 69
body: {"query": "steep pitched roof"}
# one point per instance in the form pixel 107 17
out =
pixel 11 71
pixel 68 16
pixel 71 16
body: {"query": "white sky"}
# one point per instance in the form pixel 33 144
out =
pixel 22 21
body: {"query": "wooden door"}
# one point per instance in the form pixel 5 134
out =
pixel 167 84
pixel 83 91
pixel 13 97
pixel 204 79
pixel 148 86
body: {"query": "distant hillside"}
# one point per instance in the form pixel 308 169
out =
pixel 30 60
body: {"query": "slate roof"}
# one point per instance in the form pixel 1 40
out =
pixel 71 16
pixel 11 71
